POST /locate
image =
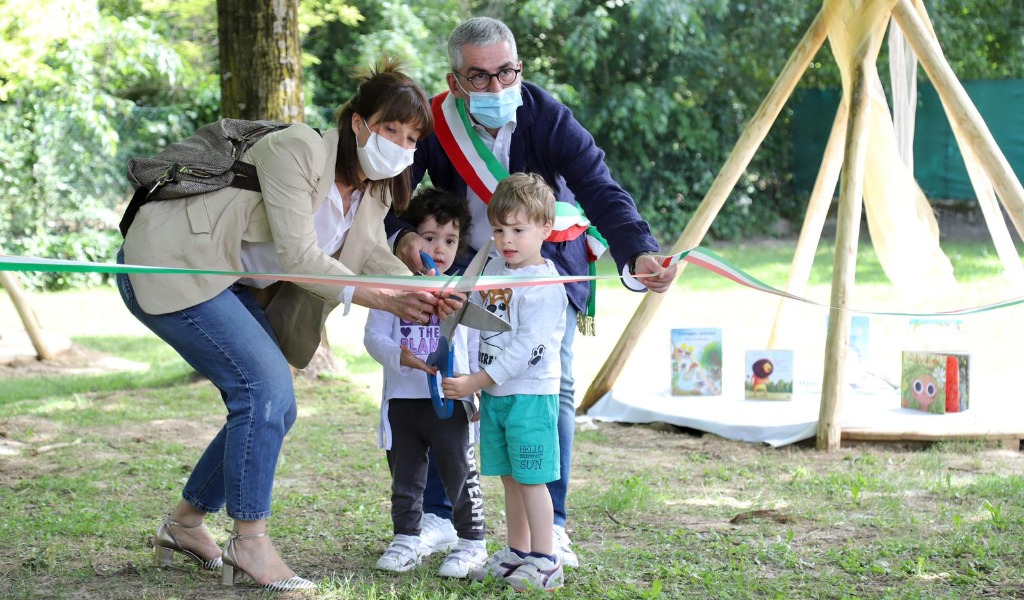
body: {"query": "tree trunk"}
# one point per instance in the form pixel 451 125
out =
pixel 260 59
pixel 261 78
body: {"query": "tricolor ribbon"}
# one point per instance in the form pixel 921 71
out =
pixel 699 257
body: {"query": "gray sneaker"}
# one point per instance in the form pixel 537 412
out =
pixel 499 565
pixel 464 557
pixel 436 534
pixel 536 574
pixel 563 548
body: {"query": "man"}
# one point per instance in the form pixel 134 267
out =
pixel 524 129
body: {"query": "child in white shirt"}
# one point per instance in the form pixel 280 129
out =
pixel 409 425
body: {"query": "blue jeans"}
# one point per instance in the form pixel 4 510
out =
pixel 434 499
pixel 228 340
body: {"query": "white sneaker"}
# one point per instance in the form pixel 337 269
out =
pixel 563 548
pixel 403 554
pixel 466 555
pixel 436 534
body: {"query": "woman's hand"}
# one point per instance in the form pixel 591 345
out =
pixel 412 306
pixel 451 302
pixel 415 307
pixel 410 360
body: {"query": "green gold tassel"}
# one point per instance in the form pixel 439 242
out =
pixel 585 320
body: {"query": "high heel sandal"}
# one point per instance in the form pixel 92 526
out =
pixel 232 573
pixel 166 544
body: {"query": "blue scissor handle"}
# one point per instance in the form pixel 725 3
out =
pixel 442 406
pixel 429 262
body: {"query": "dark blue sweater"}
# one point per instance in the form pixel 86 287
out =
pixel 550 142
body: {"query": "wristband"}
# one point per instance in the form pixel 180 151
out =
pixel 631 265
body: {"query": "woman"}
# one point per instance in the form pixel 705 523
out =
pixel 320 212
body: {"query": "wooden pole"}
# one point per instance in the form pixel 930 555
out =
pixel 814 220
pixel 28 318
pixel 724 183
pixel 961 111
pixel 851 194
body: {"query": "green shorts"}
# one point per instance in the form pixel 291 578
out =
pixel 519 437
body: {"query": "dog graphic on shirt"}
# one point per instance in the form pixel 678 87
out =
pixel 498 302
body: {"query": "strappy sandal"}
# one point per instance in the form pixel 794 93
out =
pixel 165 543
pixel 233 573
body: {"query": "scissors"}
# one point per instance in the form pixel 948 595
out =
pixel 470 315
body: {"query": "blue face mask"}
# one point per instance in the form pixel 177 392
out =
pixel 493 110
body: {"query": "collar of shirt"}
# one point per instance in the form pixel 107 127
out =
pixel 332 222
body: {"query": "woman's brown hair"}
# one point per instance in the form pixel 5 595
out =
pixel 384 89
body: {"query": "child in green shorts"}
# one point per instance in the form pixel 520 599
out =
pixel 519 374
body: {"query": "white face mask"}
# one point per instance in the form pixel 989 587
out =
pixel 380 158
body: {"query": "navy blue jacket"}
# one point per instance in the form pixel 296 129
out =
pixel 550 142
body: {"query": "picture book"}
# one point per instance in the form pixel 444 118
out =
pixel 859 329
pixel 696 362
pixel 768 375
pixel 935 382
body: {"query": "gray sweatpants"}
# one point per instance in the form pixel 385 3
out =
pixel 415 428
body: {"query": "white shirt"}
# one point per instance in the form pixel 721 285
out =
pixel 500 145
pixel 331 223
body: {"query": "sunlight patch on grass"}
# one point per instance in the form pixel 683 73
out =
pixel 718 501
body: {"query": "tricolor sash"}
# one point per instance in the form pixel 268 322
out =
pixel 482 171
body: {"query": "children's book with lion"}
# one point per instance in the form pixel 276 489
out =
pixel 768 375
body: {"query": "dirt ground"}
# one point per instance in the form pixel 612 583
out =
pixel 75 360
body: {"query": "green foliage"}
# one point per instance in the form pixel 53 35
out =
pixel 666 87
pixel 415 31
pixel 73 77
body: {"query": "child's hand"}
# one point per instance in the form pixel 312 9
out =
pixel 458 386
pixel 410 360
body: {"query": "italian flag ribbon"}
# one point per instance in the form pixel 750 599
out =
pixel 700 257
pixel 482 172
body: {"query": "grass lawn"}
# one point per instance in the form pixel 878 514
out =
pixel 89 464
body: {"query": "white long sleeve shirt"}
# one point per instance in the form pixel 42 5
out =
pixel 526 359
pixel 384 336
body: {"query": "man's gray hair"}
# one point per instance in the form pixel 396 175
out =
pixel 479 31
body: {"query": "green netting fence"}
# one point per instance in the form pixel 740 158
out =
pixel 938 165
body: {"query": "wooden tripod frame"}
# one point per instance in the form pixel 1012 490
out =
pixel 974 138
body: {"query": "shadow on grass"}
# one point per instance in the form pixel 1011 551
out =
pixel 165 368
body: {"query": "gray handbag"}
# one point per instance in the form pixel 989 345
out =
pixel 206 161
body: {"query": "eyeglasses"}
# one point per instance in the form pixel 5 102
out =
pixel 482 81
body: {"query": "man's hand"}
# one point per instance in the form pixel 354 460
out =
pixel 662 279
pixel 408 251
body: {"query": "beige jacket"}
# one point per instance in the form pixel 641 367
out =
pixel 206 231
